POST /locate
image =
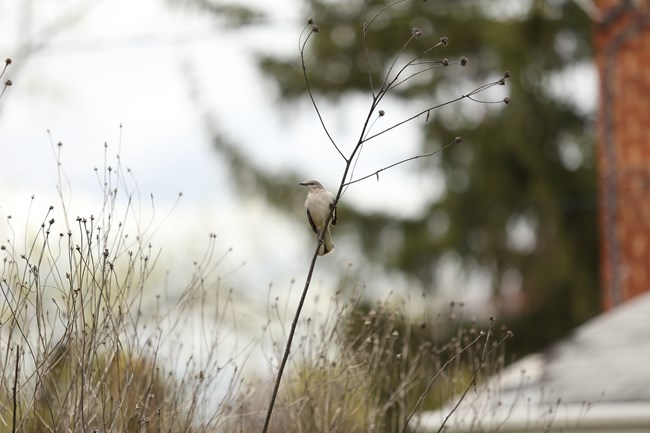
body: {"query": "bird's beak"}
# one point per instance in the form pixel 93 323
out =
pixel 303 183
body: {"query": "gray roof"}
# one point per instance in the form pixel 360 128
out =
pixel 599 376
pixel 609 354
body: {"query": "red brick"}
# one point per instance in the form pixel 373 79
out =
pixel 629 109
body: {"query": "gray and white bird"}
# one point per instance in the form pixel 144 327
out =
pixel 318 204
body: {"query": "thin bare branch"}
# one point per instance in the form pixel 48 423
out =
pixel 382 10
pixel 294 325
pixel 366 50
pixel 314 29
pixel 353 158
pixel 7 63
pixel 437 64
pixel 354 166
pixel 425 155
pixel 361 140
pixel 14 391
pixel 435 376
pixel 472 382
pixel 415 116
pixel 410 63
pixel 4 87
pixel 385 85
pixel 427 110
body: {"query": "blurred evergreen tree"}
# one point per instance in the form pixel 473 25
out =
pixel 526 170
pixel 519 198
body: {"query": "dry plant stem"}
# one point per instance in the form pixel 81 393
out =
pixel 7 63
pixel 365 40
pixel 15 388
pixel 498 82
pixel 314 29
pixel 386 85
pixel 2 73
pixel 425 155
pixel 292 331
pixel 4 88
pixel 474 375
pixel 433 379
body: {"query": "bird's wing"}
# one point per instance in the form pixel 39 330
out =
pixel 311 222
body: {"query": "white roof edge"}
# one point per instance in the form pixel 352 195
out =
pixel 600 417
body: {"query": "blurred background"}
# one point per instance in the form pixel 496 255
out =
pixel 207 98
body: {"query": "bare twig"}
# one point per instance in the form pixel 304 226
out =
pixel 366 50
pixel 382 10
pixel 294 324
pixel 475 373
pixel 350 160
pixel 385 84
pixel 435 63
pixel 8 82
pixel 4 69
pixel 314 29
pixel 435 376
pixel 479 89
pixel 414 35
pixel 425 155
pixel 14 391
pixel 4 88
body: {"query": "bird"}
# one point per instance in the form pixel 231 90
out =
pixel 318 204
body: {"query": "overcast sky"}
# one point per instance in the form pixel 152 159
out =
pixel 96 65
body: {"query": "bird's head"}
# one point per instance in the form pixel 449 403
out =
pixel 312 185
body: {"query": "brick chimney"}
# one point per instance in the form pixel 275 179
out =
pixel 622 50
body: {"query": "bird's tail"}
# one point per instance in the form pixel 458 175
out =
pixel 327 246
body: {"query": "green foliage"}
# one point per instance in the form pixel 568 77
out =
pixel 528 165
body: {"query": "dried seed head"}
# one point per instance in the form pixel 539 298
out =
pixel 506 100
pixel 506 74
pixel 8 83
pixel 310 21
pixel 416 32
pixel 444 41
pixel 458 140
pixel 463 61
pixel 444 62
pixel 381 113
pixel 7 61
pixel 315 28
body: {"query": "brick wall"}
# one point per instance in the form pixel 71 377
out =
pixel 622 48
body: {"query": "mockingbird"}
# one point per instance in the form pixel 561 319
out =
pixel 318 204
